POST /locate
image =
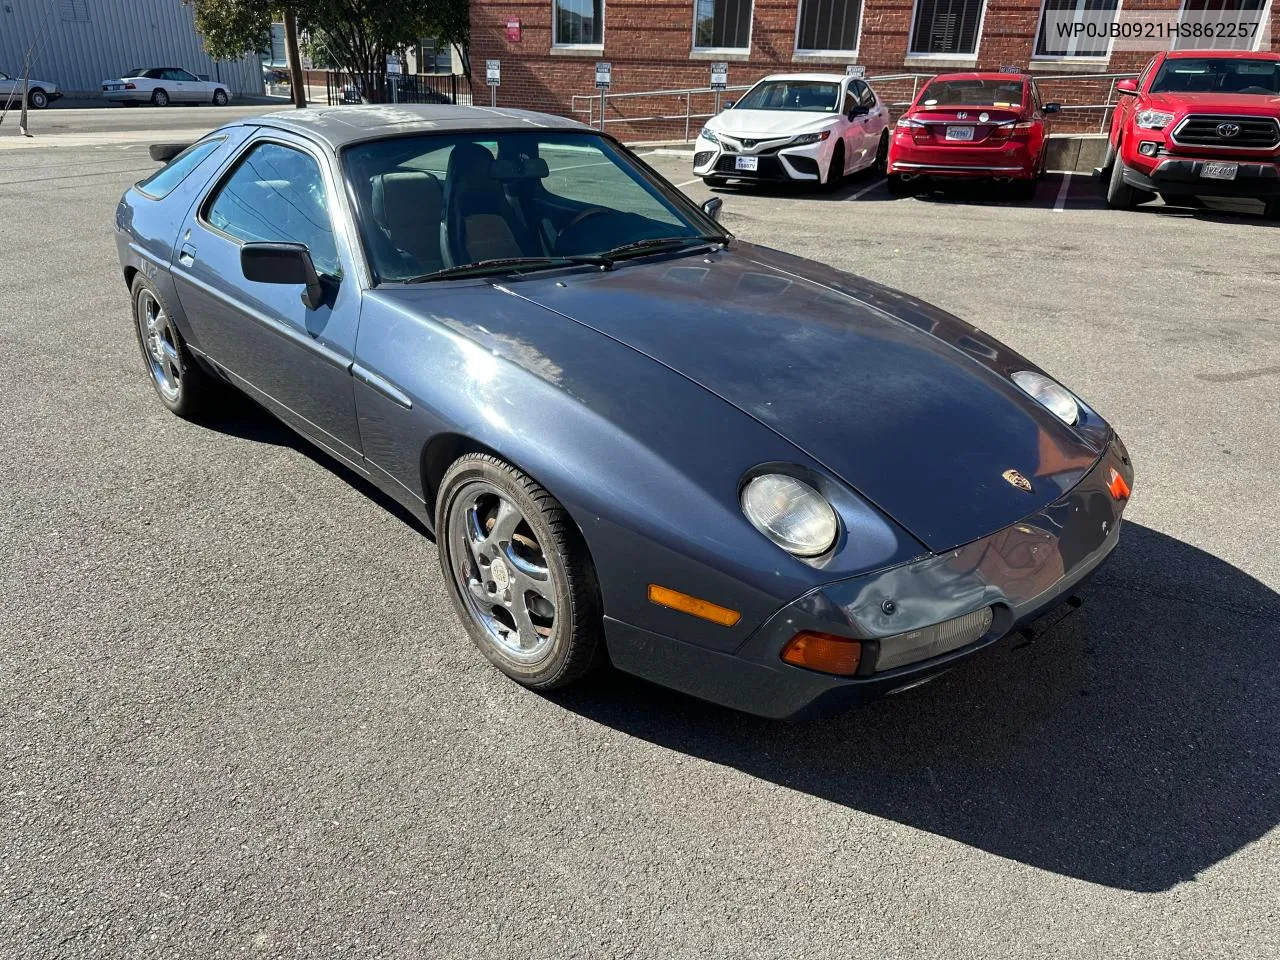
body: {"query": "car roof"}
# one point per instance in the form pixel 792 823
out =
pixel 988 75
pixel 826 77
pixel 1222 55
pixel 339 126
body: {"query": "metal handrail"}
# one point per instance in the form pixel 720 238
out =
pixel 688 93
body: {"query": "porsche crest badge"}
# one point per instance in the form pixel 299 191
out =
pixel 1016 479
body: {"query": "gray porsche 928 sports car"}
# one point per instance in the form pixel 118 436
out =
pixel 637 439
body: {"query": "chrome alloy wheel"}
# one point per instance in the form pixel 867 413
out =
pixel 159 345
pixel 502 573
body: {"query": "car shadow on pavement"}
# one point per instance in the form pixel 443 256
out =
pixel 238 416
pixel 1133 745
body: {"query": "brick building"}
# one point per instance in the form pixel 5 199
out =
pixel 548 48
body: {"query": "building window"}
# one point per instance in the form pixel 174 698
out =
pixel 578 23
pixel 946 27
pixel 722 24
pixel 432 56
pixel 829 25
pixel 1054 40
pixel 1215 12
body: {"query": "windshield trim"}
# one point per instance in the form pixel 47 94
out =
pixel 701 220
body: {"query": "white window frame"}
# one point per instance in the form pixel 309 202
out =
pixel 827 54
pixel 977 40
pixel 556 45
pixel 1051 58
pixel 693 33
pixel 1265 14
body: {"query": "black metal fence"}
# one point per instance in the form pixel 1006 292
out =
pixel 343 87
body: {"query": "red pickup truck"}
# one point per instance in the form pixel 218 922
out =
pixel 1197 123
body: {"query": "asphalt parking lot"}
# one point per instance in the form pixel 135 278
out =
pixel 238 718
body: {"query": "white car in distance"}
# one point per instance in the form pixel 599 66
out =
pixel 40 92
pixel 814 127
pixel 163 86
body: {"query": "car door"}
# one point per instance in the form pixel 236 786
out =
pixel 858 141
pixel 7 85
pixel 295 359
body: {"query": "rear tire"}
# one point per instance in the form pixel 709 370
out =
pixel 1272 210
pixel 37 99
pixel 882 154
pixel 180 382
pixel 500 599
pixel 898 187
pixel 160 99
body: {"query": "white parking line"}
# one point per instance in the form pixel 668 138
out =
pixel 879 183
pixel 687 182
pixel 1059 205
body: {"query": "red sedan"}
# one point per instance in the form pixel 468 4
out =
pixel 972 125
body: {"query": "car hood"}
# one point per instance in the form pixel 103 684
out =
pixel 1216 102
pixel 766 123
pixel 908 405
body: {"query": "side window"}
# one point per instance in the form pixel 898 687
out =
pixel 850 99
pixel 183 75
pixel 166 179
pixel 277 194
pixel 867 96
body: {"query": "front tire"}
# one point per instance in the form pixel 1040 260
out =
pixel 160 99
pixel 835 169
pixel 37 99
pixel 519 574
pixel 219 98
pixel 179 381
pixel 1272 210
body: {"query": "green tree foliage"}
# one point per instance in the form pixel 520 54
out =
pixel 357 34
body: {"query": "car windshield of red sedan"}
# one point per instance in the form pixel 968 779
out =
pixel 1261 77
pixel 813 96
pixel 972 93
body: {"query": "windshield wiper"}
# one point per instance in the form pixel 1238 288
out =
pixel 507 264
pixel 651 243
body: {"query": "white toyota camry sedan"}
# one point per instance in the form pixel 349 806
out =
pixel 815 127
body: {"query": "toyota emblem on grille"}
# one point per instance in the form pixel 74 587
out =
pixel 1228 129
pixel 751 143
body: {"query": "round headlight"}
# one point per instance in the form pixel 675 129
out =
pixel 790 513
pixel 1054 397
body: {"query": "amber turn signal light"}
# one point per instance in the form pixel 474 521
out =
pixel 1119 489
pixel 824 652
pixel 704 609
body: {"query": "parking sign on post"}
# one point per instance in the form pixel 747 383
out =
pixel 493 77
pixel 719 80
pixel 604 77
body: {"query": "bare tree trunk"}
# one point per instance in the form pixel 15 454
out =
pixel 297 79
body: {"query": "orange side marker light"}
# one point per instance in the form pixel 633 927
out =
pixel 1119 489
pixel 703 609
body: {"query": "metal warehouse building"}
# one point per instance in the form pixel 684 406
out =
pixel 79 43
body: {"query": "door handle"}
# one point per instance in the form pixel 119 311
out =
pixel 187 255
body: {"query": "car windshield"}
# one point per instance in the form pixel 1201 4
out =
pixel 507 202
pixel 973 93
pixel 811 96
pixel 1218 75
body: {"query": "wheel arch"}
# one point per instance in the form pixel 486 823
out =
pixel 439 453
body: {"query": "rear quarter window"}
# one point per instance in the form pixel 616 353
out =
pixel 165 180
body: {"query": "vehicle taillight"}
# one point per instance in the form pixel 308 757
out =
pixel 130 86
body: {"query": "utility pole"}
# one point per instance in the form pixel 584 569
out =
pixel 297 79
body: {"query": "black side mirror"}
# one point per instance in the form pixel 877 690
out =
pixel 282 263
pixel 727 104
pixel 712 208
pixel 1052 108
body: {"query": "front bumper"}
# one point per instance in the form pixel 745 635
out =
pixel 1009 159
pixel 1182 176
pixel 1021 572
pixel 779 165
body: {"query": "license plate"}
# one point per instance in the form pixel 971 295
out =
pixel 959 133
pixel 114 86
pixel 746 163
pixel 1219 171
